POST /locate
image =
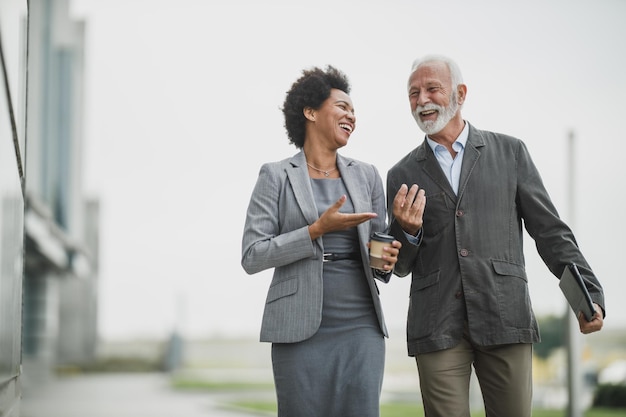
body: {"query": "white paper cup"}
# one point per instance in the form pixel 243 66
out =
pixel 377 242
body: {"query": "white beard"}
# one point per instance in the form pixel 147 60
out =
pixel 445 114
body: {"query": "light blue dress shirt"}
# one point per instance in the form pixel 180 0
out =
pixel 451 166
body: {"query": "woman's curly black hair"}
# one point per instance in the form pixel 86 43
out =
pixel 310 90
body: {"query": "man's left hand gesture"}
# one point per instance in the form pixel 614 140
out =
pixel 594 325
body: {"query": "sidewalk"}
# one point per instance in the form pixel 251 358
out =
pixel 117 395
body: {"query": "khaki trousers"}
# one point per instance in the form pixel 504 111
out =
pixel 504 373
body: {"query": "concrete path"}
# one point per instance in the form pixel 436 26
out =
pixel 117 395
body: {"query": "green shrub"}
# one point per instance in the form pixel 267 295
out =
pixel 610 395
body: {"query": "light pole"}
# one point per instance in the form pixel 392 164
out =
pixel 573 337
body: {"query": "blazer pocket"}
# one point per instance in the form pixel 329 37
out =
pixel 508 268
pixel 425 281
pixel 282 289
pixel 423 304
pixel 513 295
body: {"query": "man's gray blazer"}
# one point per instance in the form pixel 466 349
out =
pixel 276 236
pixel 470 261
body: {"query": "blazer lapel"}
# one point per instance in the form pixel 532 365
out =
pixel 298 176
pixel 470 158
pixel 357 189
pixel 353 182
pixel 432 168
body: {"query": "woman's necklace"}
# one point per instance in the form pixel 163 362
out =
pixel 326 173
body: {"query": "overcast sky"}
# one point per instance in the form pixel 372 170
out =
pixel 183 106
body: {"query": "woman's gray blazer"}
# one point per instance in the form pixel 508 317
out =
pixel 276 236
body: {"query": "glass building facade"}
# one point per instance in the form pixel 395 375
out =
pixel 60 288
pixel 12 197
pixel 48 230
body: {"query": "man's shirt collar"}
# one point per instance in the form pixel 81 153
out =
pixel 461 140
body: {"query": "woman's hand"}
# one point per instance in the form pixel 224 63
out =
pixel 391 255
pixel 332 220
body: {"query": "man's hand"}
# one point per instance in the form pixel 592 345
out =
pixel 594 325
pixel 408 208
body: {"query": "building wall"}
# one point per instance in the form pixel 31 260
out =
pixel 60 278
pixel 48 232
pixel 12 149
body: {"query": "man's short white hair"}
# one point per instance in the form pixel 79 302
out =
pixel 455 71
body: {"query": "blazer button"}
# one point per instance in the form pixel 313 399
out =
pixel 458 294
pixel 464 252
pixel 460 213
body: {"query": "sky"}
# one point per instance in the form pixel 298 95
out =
pixel 183 107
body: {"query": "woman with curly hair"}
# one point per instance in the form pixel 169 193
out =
pixel 310 218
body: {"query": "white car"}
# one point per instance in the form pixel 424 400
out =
pixel 614 373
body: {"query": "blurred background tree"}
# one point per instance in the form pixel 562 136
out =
pixel 552 330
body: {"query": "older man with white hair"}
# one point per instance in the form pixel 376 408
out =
pixel 459 202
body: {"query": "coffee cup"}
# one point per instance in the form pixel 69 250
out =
pixel 378 241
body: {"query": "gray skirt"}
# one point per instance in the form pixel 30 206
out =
pixel 338 372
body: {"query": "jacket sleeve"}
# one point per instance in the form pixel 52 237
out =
pixel 408 252
pixel 263 244
pixel 553 238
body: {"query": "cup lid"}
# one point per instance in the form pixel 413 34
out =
pixel 382 237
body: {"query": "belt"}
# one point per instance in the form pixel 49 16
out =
pixel 328 257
